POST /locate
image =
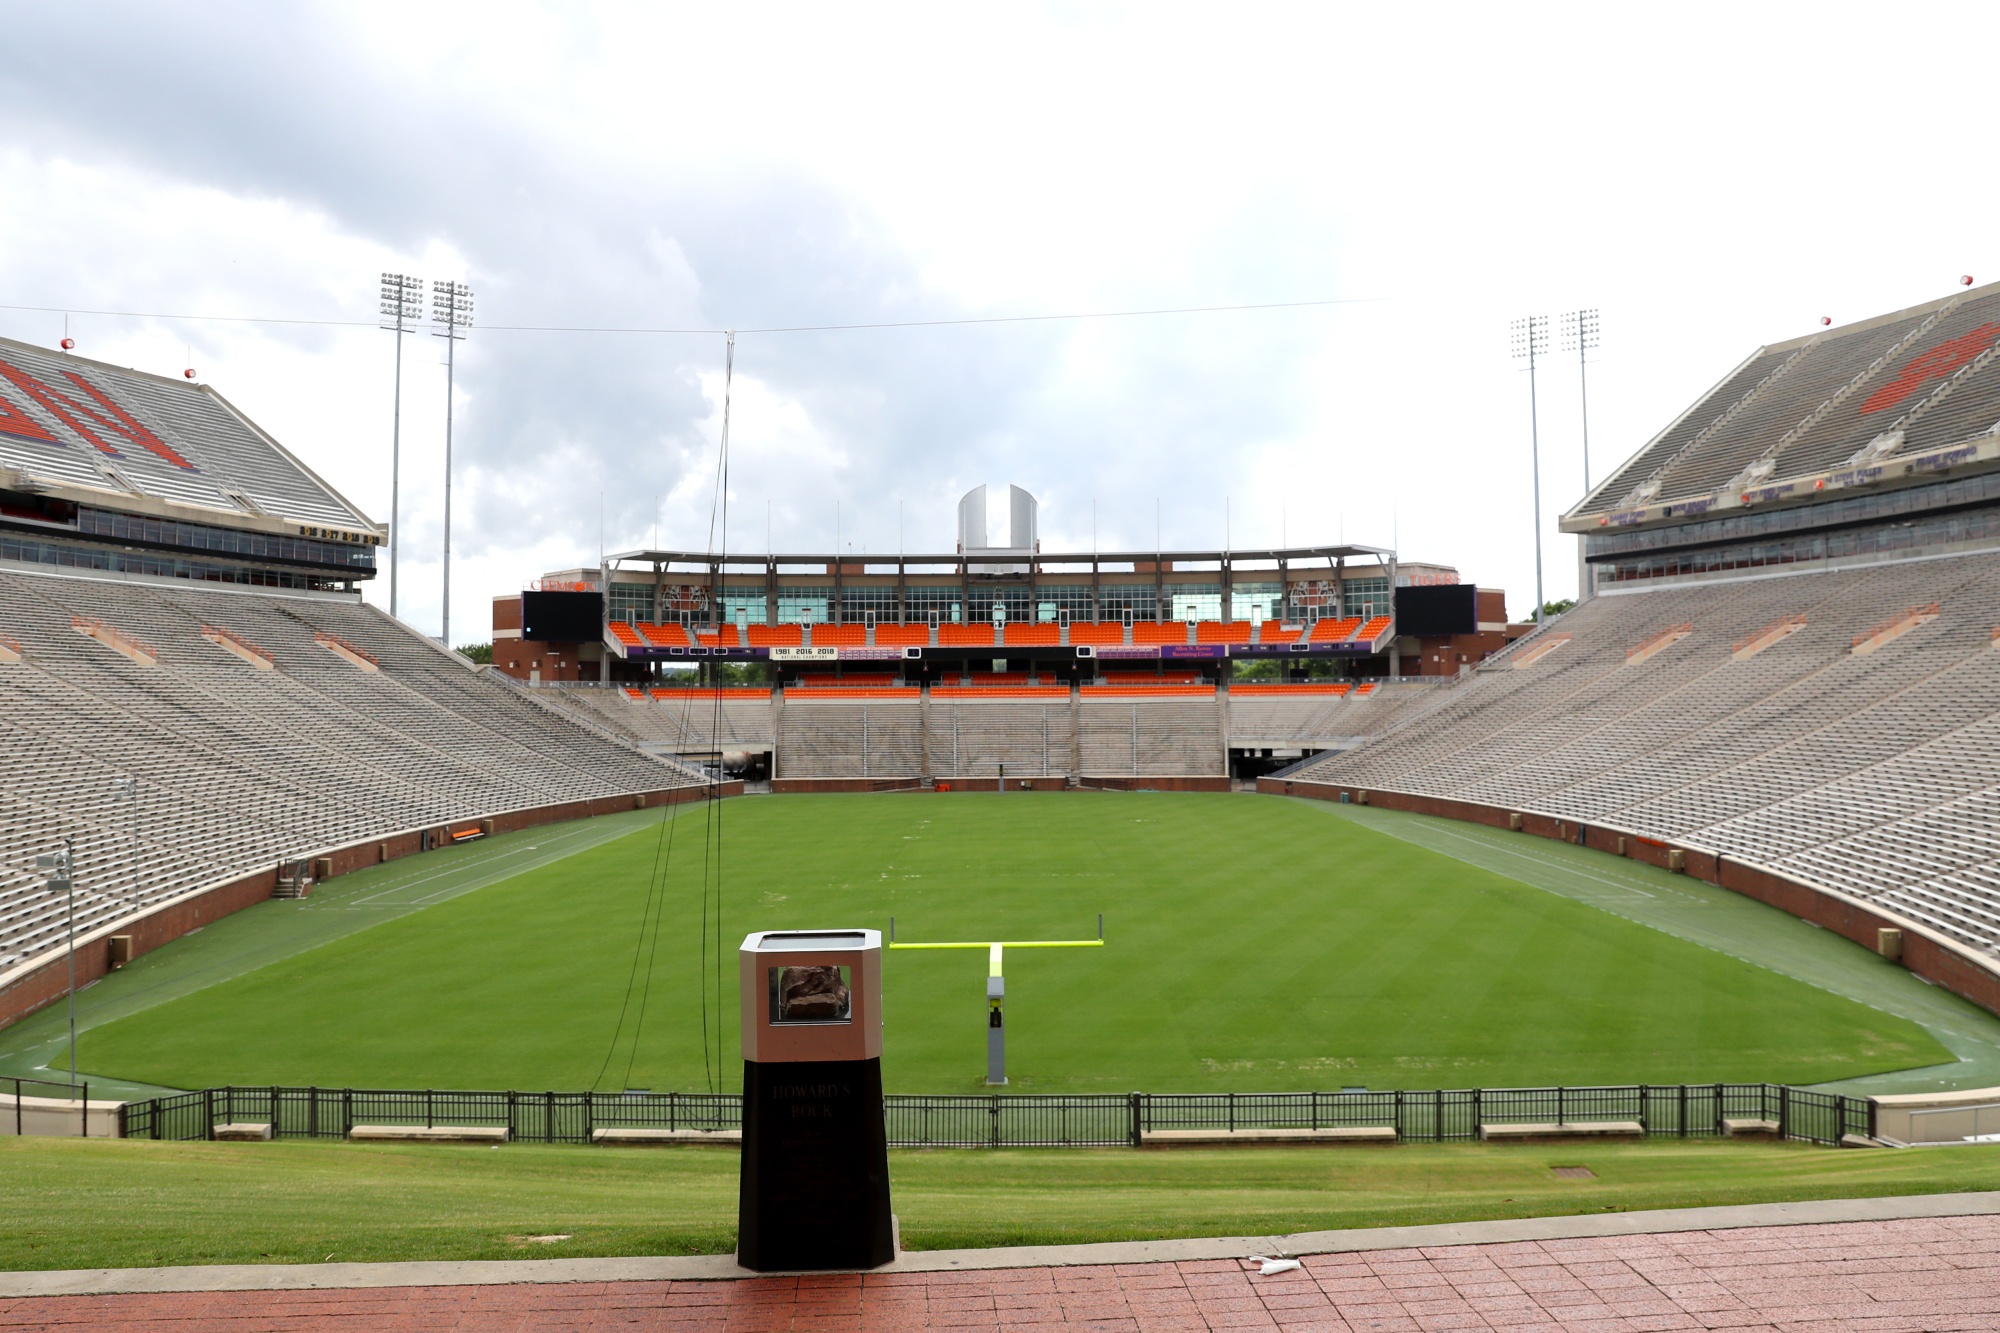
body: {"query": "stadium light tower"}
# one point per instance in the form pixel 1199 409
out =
pixel 451 313
pixel 1531 339
pixel 1580 336
pixel 403 308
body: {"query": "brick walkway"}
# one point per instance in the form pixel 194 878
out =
pixel 1929 1274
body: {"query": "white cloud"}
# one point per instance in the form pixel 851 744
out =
pixel 1711 177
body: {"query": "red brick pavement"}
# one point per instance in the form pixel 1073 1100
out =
pixel 1884 1277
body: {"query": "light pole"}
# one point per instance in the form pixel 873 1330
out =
pixel 1531 339
pixel 62 879
pixel 1580 336
pixel 403 305
pixel 451 312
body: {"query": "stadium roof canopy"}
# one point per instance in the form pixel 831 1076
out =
pixel 984 555
pixel 1895 400
pixel 122 439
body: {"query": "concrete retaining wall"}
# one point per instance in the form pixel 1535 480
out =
pixel 1157 782
pixel 54 1118
pixel 780 786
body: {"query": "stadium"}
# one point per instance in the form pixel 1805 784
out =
pixel 1703 866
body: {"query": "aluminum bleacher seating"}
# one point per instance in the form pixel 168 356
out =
pixel 201 766
pixel 1859 748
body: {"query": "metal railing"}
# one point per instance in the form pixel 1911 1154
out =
pixel 61 1092
pixel 1672 1110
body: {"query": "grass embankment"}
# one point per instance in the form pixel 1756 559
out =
pixel 142 1204
pixel 1254 944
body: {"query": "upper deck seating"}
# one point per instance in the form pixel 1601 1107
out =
pixel 1159 631
pixel 840 636
pixel 1027 635
pixel 1334 631
pixel 1097 633
pixel 775 636
pixel 902 636
pixel 965 636
pixel 667 636
pixel 1222 631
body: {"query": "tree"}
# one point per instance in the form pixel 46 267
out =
pixel 481 653
pixel 1550 610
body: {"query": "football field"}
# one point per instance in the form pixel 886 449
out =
pixel 1254 944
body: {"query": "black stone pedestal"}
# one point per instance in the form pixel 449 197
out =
pixel 815 1183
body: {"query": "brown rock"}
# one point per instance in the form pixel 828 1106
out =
pixel 812 994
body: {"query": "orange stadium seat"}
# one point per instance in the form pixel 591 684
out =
pixel 1152 691
pixel 1222 631
pixel 666 636
pixel 1152 677
pixel 1335 631
pixel 1097 633
pixel 1159 631
pixel 815 680
pixel 1292 687
pixel 840 636
pixel 1001 691
pixel 902 636
pixel 719 638
pixel 626 635
pixel 775 636
pixel 1026 635
pixel 965 636
pixel 1274 631
pixel 859 692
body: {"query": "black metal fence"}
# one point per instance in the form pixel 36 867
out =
pixel 23 1088
pixel 1673 1110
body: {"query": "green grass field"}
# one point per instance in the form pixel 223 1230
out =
pixel 112 1203
pixel 1255 944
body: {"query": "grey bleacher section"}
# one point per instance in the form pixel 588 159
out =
pixel 1875 774
pixel 850 738
pixel 227 451
pixel 1821 370
pixel 1798 406
pixel 237 768
pixel 971 738
pixel 686 723
pixel 1136 737
pixel 1968 409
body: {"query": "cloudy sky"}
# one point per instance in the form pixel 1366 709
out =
pixel 1710 177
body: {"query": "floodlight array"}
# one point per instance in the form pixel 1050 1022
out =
pixel 1529 338
pixel 402 300
pixel 1579 330
pixel 451 308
